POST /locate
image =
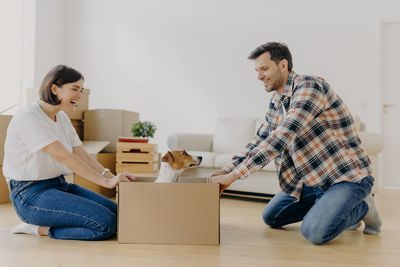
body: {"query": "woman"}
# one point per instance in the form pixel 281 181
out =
pixel 40 148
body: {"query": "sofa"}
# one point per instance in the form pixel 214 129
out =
pixel 231 135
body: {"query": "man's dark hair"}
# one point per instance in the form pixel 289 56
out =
pixel 278 51
pixel 59 75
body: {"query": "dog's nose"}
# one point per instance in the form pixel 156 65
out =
pixel 200 159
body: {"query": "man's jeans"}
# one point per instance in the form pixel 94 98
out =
pixel 72 212
pixel 325 214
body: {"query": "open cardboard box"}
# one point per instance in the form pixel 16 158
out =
pixel 168 213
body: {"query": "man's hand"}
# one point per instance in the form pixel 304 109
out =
pixel 122 177
pixel 224 180
pixel 218 173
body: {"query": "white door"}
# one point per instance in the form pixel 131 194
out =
pixel 391 105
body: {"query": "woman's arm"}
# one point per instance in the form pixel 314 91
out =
pixel 72 161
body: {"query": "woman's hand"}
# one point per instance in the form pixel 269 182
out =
pixel 224 180
pixel 126 177
pixel 122 177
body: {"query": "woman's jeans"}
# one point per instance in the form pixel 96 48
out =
pixel 71 212
pixel 325 214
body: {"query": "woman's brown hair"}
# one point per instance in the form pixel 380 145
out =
pixel 59 75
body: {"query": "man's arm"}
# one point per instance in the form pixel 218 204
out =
pixel 262 134
pixel 226 177
pixel 307 103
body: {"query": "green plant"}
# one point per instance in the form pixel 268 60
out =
pixel 143 129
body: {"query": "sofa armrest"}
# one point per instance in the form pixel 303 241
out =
pixel 197 142
pixel 372 143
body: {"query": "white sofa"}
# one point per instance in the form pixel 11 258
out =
pixel 231 135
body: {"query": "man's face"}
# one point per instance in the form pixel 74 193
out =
pixel 272 75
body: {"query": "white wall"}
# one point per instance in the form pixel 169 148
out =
pixel 49 37
pixel 182 64
pixel 11 18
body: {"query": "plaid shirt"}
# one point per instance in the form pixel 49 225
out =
pixel 315 144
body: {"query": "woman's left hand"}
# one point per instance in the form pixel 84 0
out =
pixel 122 177
pixel 126 177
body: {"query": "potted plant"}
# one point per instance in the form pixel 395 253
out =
pixel 142 130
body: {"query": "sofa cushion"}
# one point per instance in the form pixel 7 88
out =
pixel 231 135
pixel 372 143
pixel 223 159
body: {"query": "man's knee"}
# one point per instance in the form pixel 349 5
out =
pixel 315 234
pixel 269 219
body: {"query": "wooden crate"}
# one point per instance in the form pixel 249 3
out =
pixel 137 157
pixel 136 147
pixel 137 168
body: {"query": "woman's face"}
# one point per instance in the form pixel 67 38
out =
pixel 69 94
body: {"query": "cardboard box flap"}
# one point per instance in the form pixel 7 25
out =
pixel 94 147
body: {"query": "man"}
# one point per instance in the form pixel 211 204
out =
pixel 324 174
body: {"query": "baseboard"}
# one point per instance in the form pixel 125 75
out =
pixel 247 195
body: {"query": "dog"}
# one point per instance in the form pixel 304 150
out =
pixel 173 163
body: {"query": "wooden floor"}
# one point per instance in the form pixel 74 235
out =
pixel 245 241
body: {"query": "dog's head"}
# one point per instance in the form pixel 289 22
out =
pixel 180 160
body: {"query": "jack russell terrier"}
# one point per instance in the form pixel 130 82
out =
pixel 173 163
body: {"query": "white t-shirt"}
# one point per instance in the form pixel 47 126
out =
pixel 29 131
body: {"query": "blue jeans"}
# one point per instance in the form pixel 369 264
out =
pixel 325 214
pixel 71 211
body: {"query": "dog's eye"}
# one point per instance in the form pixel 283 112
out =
pixel 184 153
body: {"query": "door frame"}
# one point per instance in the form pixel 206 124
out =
pixel 380 99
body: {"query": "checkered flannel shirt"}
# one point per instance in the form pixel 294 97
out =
pixel 315 144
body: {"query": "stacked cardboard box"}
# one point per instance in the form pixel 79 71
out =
pixel 77 116
pixel 108 125
pixel 4 193
pixel 137 157
pixel 78 125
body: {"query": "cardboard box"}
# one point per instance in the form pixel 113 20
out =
pixel 105 159
pixel 108 125
pixel 4 192
pixel 78 125
pixel 83 105
pixel 4 121
pixel 168 213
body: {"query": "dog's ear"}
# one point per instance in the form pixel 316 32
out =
pixel 168 157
